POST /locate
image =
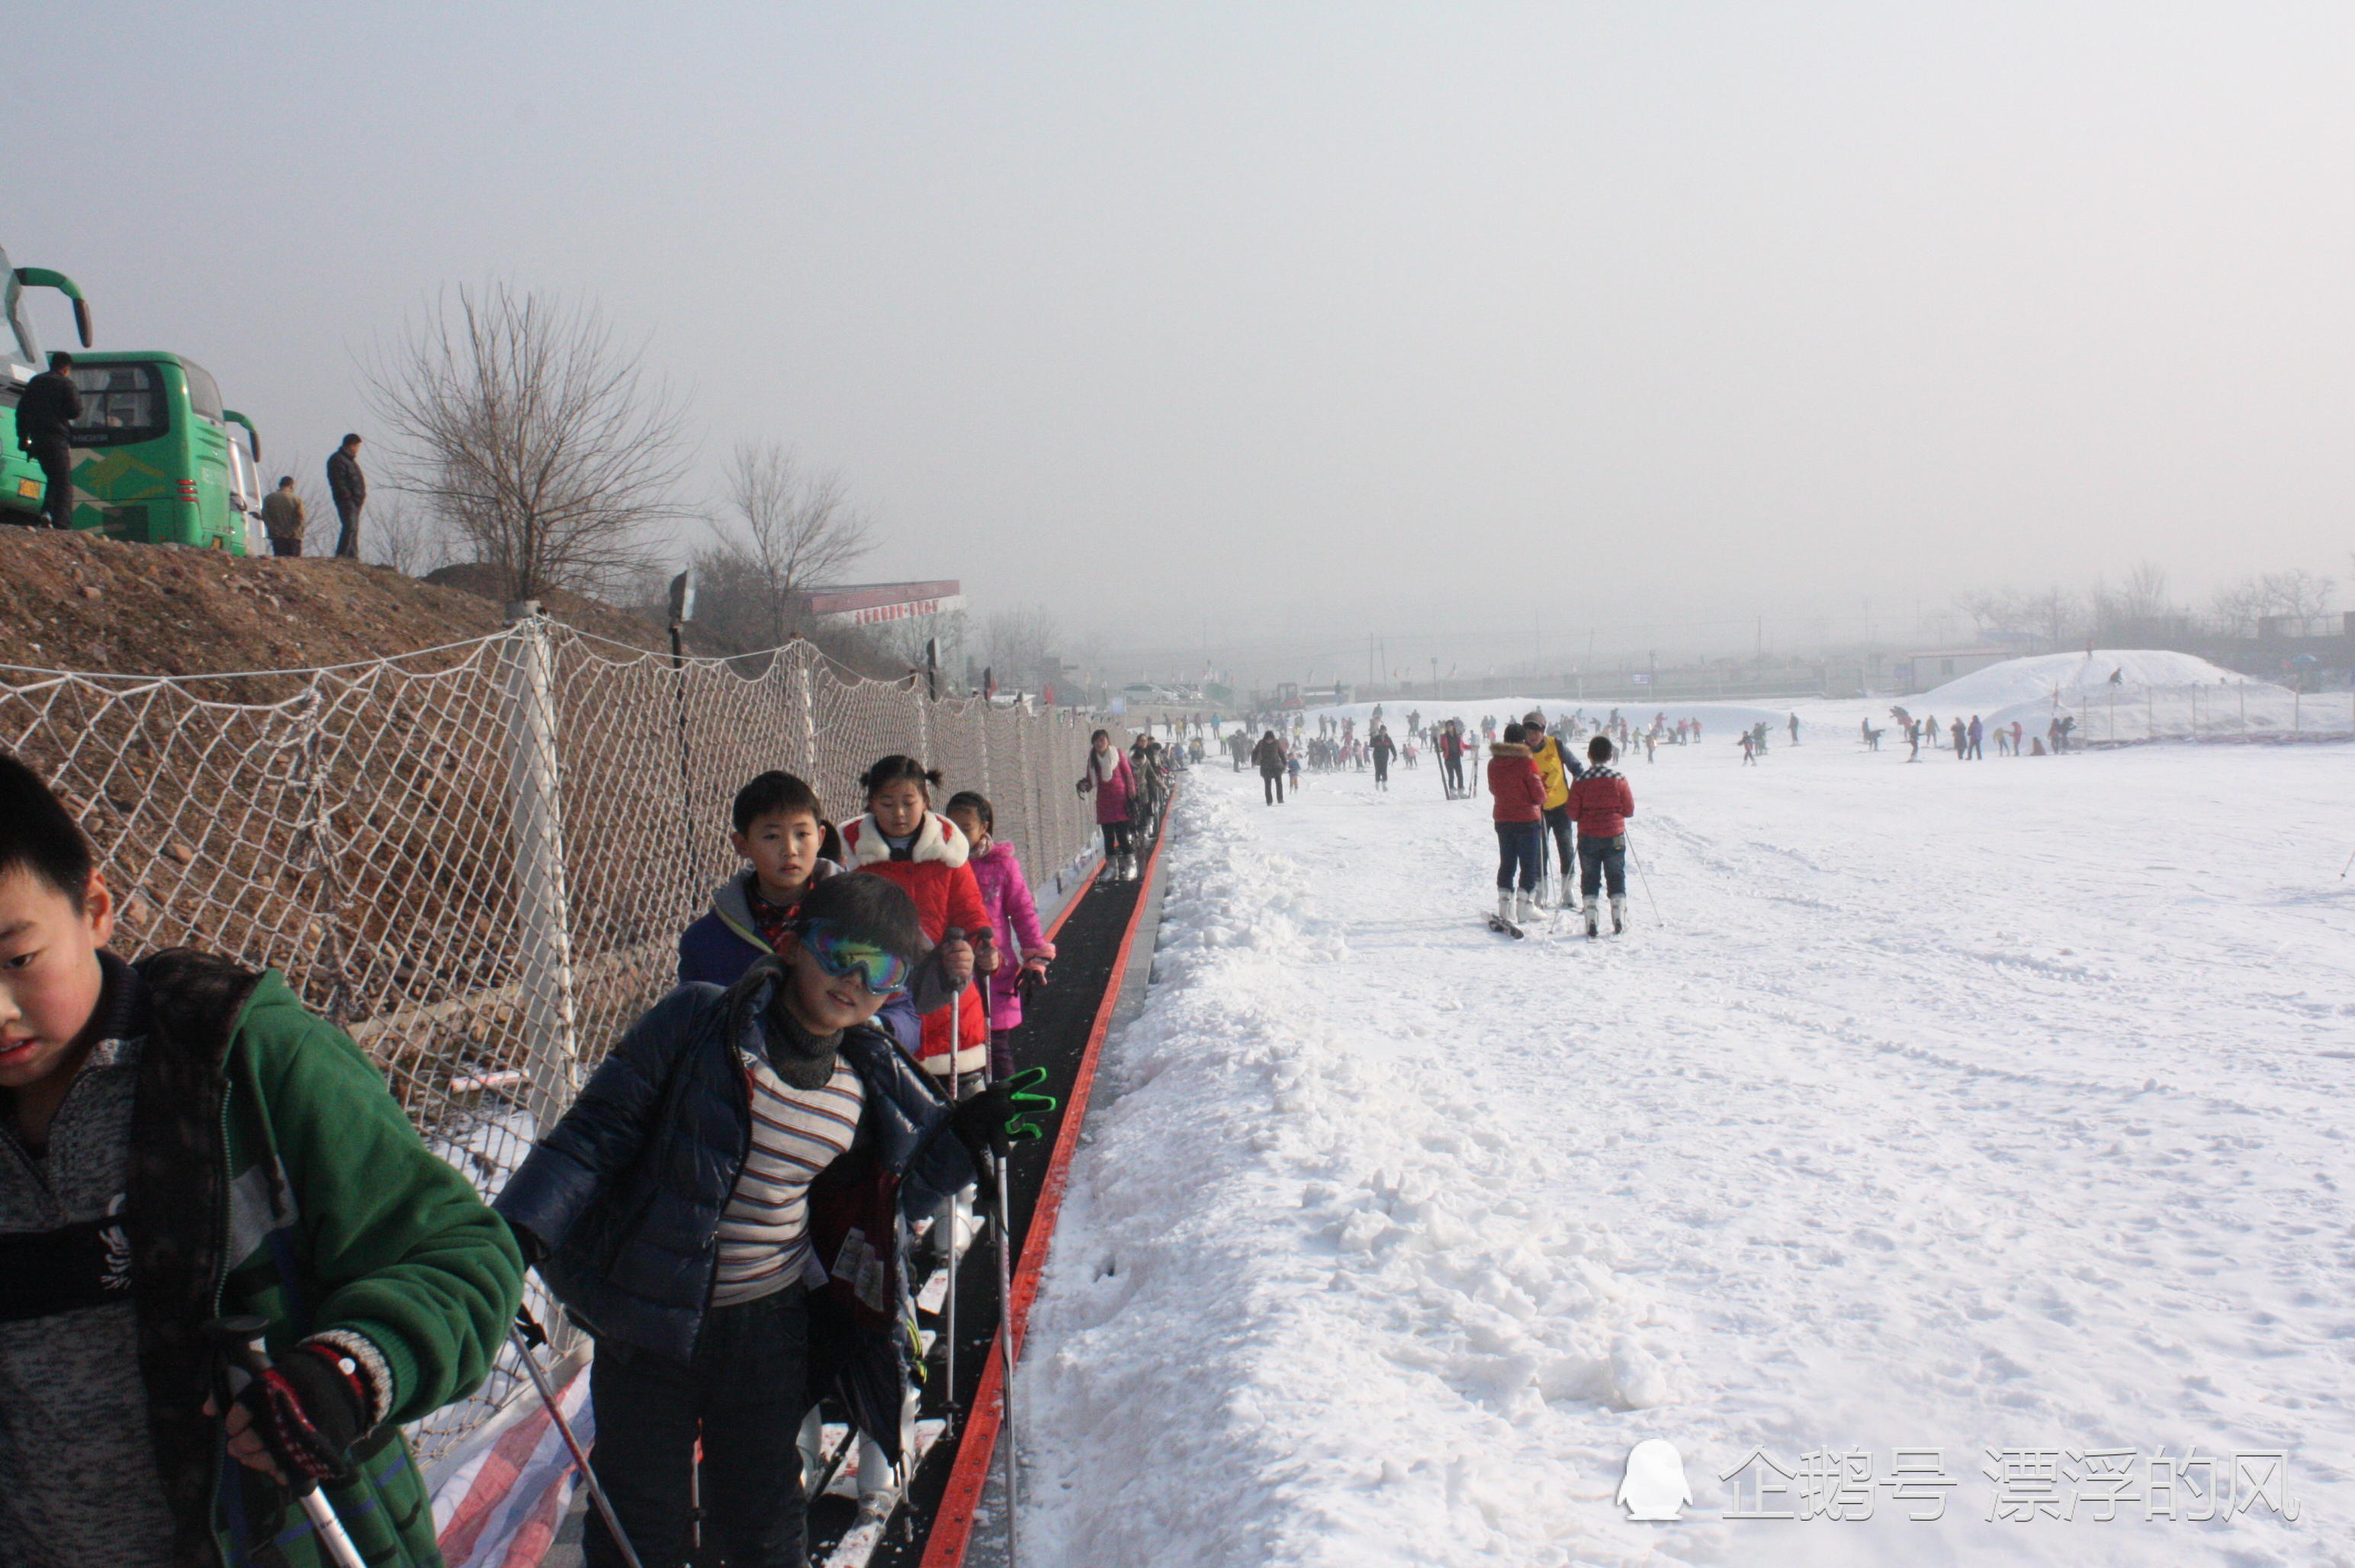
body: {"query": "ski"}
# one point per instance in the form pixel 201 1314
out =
pixel 1502 926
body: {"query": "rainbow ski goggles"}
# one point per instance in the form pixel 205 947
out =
pixel 883 971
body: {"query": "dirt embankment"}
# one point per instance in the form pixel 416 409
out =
pixel 84 602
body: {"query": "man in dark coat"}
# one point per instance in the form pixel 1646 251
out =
pixel 45 416
pixel 348 487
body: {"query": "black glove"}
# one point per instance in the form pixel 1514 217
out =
pixel 308 1411
pixel 979 1123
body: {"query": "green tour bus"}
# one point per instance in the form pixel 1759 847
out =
pixel 21 485
pixel 154 459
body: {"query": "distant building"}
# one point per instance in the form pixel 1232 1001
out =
pixel 901 616
pixel 1926 671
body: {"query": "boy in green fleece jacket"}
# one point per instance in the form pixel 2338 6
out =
pixel 180 1140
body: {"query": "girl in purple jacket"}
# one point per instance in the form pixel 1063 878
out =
pixel 1006 894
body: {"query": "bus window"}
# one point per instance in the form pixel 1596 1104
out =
pixel 120 404
pixel 204 392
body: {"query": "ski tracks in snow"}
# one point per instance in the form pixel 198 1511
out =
pixel 1307 1305
pixel 2001 1108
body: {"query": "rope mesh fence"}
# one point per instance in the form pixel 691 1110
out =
pixel 477 860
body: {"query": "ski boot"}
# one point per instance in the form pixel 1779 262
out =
pixel 1618 913
pixel 1592 927
pixel 1128 872
pixel 1505 905
pixel 1526 907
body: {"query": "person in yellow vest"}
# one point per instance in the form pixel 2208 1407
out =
pixel 1555 771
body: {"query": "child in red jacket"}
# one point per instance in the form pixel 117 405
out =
pixel 1519 816
pixel 901 838
pixel 1602 803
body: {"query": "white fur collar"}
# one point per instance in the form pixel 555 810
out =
pixel 937 838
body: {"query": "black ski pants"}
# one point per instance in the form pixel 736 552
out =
pixel 1560 823
pixel 1115 838
pixel 1381 770
pixel 747 1390
pixel 1272 786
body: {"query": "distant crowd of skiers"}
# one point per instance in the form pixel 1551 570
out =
pixel 1968 741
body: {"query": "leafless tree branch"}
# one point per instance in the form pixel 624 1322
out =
pixel 537 439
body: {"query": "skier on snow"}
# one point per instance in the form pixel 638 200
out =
pixel 1602 803
pixel 1519 816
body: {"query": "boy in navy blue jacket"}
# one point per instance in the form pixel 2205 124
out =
pixel 778 1108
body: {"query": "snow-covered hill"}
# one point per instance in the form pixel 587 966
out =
pixel 2077 676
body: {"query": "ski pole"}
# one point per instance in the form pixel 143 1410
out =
pixel 239 1340
pixel 1647 885
pixel 2350 866
pixel 1005 1361
pixel 948 1220
pixel 529 1336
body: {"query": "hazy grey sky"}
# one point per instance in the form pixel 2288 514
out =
pixel 1300 322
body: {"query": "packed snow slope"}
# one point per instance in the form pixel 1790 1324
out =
pixel 2075 677
pixel 1939 1108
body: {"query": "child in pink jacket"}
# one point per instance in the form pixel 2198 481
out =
pixel 1006 895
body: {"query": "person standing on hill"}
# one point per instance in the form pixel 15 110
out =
pixel 283 517
pixel 1978 739
pixel 1383 750
pixel 1962 742
pixel 348 488
pixel 46 412
pixel 1795 728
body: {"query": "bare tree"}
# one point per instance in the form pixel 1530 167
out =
pixel 2144 597
pixel 2297 592
pixel 786 531
pixel 538 438
pixel 2052 615
pixel 404 536
pixel 2137 608
pixel 2238 607
pixel 1021 647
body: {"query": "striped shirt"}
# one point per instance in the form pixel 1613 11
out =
pixel 764 1243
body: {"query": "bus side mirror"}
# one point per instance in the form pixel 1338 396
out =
pixel 81 320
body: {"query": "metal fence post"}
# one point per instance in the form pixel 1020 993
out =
pixel 543 905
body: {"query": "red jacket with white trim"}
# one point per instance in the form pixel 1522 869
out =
pixel 934 872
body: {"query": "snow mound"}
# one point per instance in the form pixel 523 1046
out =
pixel 2078 676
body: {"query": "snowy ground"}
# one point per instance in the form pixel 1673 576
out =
pixel 1948 1107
